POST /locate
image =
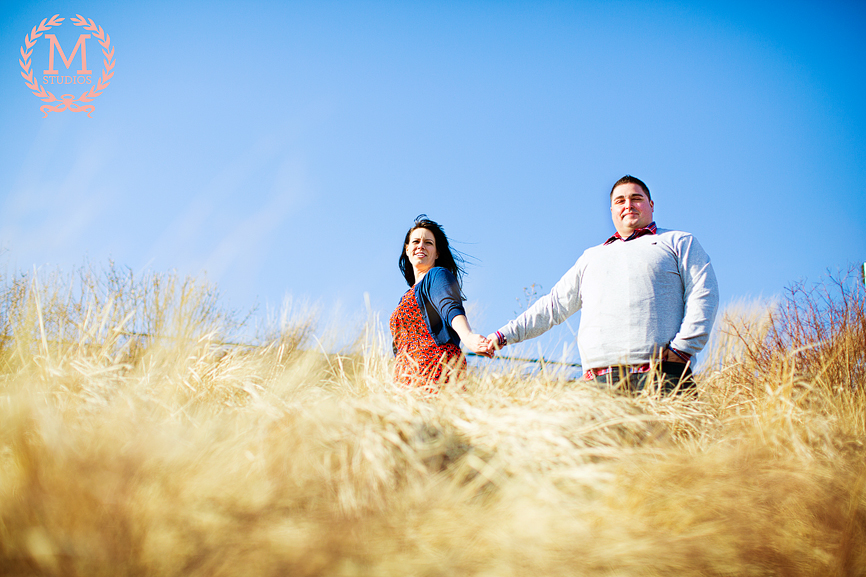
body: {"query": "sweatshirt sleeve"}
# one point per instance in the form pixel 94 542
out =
pixel 548 311
pixel 700 297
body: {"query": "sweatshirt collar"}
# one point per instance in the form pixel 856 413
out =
pixel 638 232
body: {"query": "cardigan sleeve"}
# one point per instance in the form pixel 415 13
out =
pixel 440 302
pixel 445 294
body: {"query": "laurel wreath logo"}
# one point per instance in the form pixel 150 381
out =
pixel 67 101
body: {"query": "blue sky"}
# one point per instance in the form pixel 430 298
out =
pixel 284 148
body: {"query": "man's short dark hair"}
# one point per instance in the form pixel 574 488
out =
pixel 629 179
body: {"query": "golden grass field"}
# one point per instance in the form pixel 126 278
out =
pixel 136 439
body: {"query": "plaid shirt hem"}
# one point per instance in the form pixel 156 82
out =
pixel 633 369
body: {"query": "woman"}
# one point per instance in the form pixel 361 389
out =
pixel 430 321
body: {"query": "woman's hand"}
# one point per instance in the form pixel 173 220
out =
pixel 478 344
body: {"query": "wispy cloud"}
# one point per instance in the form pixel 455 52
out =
pixel 244 245
pixel 54 202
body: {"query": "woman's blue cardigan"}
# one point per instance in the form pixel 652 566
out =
pixel 438 297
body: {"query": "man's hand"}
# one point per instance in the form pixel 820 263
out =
pixel 671 357
pixel 494 342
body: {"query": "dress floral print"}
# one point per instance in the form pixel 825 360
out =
pixel 420 361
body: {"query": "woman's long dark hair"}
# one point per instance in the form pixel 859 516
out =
pixel 451 261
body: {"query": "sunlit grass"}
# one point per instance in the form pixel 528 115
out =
pixel 138 437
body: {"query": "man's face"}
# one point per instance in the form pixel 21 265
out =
pixel 630 208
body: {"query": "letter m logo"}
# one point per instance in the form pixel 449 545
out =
pixel 68 61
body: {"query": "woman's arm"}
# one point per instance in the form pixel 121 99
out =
pixel 444 293
pixel 475 342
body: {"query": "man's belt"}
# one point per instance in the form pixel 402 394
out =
pixel 632 369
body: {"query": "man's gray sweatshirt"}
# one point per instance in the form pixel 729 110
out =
pixel 636 297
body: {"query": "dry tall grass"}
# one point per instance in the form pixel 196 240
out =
pixel 136 441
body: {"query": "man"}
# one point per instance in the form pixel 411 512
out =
pixel 648 298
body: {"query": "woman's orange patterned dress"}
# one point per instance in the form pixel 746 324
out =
pixel 420 361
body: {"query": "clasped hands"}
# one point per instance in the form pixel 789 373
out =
pixel 481 345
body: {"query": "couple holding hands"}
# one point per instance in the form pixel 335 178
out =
pixel 648 298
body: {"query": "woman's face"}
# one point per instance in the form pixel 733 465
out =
pixel 421 249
